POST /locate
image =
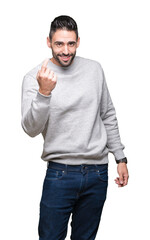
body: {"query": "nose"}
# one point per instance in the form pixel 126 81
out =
pixel 65 50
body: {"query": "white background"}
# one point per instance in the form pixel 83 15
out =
pixel 115 33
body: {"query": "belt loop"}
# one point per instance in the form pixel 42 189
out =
pixel 66 168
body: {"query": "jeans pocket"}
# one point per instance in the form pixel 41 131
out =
pixel 54 174
pixel 102 173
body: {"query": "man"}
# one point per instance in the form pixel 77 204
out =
pixel 67 100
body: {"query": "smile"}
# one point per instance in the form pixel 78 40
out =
pixel 65 58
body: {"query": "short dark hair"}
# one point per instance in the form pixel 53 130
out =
pixel 63 22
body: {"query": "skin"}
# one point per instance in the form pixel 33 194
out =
pixel 46 78
pixel 122 170
pixel 63 46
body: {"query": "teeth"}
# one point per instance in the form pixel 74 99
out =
pixel 66 58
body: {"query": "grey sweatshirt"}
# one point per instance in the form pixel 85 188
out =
pixel 77 120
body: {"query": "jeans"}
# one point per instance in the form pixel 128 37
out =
pixel 77 189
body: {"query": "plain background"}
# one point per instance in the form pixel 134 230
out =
pixel 115 33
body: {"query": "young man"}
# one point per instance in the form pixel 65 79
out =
pixel 67 100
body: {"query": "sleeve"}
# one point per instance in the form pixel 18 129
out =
pixel 34 107
pixel 108 115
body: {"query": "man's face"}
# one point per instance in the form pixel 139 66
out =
pixel 63 45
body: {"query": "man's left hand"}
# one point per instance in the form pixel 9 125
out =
pixel 122 170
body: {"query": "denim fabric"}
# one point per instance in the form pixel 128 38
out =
pixel 79 190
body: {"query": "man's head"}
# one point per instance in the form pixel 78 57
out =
pixel 63 40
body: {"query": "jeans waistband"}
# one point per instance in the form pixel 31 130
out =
pixel 61 166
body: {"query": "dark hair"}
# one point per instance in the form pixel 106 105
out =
pixel 63 22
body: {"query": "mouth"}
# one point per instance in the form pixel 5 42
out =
pixel 65 59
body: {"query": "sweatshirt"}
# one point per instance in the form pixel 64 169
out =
pixel 78 119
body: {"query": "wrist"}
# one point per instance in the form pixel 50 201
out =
pixel 46 93
pixel 123 160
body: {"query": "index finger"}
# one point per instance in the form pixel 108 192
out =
pixel 44 65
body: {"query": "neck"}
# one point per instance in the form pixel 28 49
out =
pixel 55 62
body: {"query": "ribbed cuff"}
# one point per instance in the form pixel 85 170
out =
pixel 47 96
pixel 119 154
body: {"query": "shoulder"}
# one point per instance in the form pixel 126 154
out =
pixel 91 65
pixel 90 62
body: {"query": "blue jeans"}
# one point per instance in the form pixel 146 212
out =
pixel 77 189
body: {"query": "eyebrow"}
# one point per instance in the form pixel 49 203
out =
pixel 63 42
pixel 72 42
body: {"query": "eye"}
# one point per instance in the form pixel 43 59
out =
pixel 71 44
pixel 59 44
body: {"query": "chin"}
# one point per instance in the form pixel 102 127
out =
pixel 63 64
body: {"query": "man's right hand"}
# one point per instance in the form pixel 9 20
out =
pixel 46 78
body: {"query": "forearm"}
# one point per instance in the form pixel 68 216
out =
pixel 113 136
pixel 108 116
pixel 36 94
pixel 35 117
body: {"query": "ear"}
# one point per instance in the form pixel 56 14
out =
pixel 78 42
pixel 48 42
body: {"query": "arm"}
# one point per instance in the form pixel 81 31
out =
pixel 35 107
pixel 108 115
pixel 36 94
